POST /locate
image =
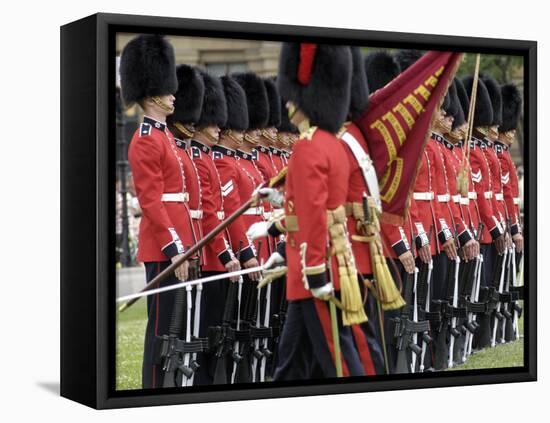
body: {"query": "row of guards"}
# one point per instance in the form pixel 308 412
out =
pixel 352 216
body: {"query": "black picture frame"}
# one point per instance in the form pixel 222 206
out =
pixel 87 208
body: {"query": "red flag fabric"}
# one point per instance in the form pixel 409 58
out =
pixel 396 126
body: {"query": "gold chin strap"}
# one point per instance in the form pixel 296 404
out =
pixel 209 136
pixel 250 140
pixel 493 133
pixel 304 126
pixel 267 135
pixel 229 133
pixel 161 104
pixel 484 130
pixel 185 130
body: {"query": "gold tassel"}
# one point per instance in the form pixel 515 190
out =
pixel 388 294
pixel 353 311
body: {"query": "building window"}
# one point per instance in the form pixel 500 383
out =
pixel 220 69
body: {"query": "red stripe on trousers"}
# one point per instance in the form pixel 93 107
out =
pixel 364 351
pixel 324 318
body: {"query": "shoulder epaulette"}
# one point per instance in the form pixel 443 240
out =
pixel 308 135
pixel 145 129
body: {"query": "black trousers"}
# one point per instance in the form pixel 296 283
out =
pixel 159 314
pixel 160 309
pixel 306 349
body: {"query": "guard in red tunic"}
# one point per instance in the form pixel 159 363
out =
pixel 268 137
pixel 218 256
pixel 224 157
pixel 251 177
pixel 380 69
pixel 483 180
pixel 362 189
pixel 511 110
pixel 492 135
pixel 468 198
pixel 316 81
pixel 148 77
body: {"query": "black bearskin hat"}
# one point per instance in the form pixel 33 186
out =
pixel 406 58
pixel 189 96
pixel 256 99
pixel 456 110
pixel 274 100
pixel 463 97
pixel 450 104
pixel 237 110
pixel 359 85
pixel 147 68
pixel 483 115
pixel 511 107
pixel 380 68
pixel 317 79
pixel 286 125
pixel 496 97
pixel 214 106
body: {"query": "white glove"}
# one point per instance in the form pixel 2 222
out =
pixel 257 230
pixel 273 260
pixel 323 292
pixel 272 195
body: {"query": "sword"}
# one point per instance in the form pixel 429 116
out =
pixel 188 283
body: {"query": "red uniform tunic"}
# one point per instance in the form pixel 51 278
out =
pixel 265 163
pixel 251 178
pixel 193 185
pixel 161 188
pixel 217 252
pixel 317 181
pixel 496 181
pixel 426 213
pixel 468 203
pixel 279 158
pixel 230 177
pixel 510 186
pixel 451 168
pixel 482 181
pixel 356 187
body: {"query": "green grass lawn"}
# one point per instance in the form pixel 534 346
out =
pixel 129 345
pixel 131 330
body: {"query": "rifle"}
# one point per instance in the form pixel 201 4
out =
pixel 468 289
pixel 242 371
pixel 507 296
pixel 498 315
pixel 275 181
pixel 219 337
pixel 426 338
pixel 455 313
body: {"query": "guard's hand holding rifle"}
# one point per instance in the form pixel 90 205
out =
pixel 407 260
pixel 232 266
pixel 449 247
pixel 470 250
pixel 518 240
pixel 253 262
pixel 182 271
pixel 500 244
